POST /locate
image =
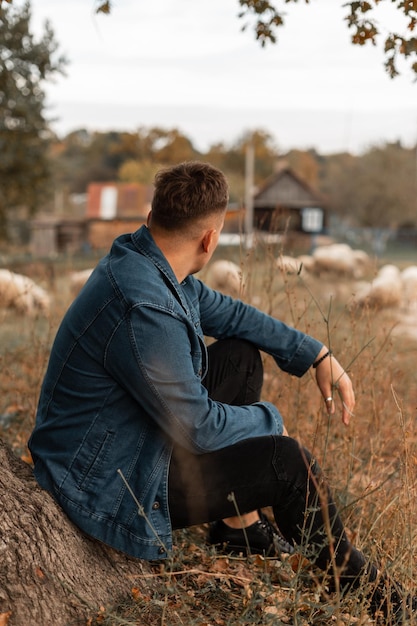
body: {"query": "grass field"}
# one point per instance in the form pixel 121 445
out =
pixel 372 465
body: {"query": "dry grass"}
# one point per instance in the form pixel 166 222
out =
pixel 371 465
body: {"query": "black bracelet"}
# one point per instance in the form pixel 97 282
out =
pixel 329 353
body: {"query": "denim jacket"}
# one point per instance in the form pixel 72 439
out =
pixel 123 384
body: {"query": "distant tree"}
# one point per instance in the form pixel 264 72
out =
pixel 85 157
pixel 306 164
pixel 70 160
pixel 232 158
pixel 377 189
pixel 110 149
pixel 24 137
pixel 173 147
pixel 103 156
pixel 216 154
pixel 361 18
pixel 138 172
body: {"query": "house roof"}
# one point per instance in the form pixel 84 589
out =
pixel 285 188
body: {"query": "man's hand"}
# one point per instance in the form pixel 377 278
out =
pixel 331 379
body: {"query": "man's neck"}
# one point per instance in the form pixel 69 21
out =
pixel 178 253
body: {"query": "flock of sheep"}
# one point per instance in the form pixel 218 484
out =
pixel 389 287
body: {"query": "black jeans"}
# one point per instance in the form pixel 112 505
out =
pixel 263 471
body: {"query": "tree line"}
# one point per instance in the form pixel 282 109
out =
pixel 375 189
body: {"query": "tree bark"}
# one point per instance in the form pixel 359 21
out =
pixel 50 573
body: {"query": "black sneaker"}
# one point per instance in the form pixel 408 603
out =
pixel 389 600
pixel 262 537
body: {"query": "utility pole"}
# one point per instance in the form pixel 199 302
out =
pixel 249 187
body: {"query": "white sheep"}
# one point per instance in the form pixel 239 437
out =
pixel 306 262
pixel 340 259
pixel 288 264
pixel 409 282
pixel 22 294
pixel 362 263
pixel 224 276
pixel 78 280
pixel 385 290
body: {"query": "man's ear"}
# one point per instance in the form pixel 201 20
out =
pixel 149 218
pixel 207 240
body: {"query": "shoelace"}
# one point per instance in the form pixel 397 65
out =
pixel 276 539
pixel 265 524
pixel 270 530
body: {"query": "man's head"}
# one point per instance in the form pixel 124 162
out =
pixel 188 193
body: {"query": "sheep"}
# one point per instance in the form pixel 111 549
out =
pixel 409 282
pixel 288 264
pixel 306 262
pixel 224 276
pixel 384 291
pixel 78 279
pixel 335 258
pixel 362 263
pixel 340 259
pixel 22 294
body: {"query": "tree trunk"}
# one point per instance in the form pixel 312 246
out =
pixel 50 573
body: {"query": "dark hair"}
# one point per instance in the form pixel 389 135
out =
pixel 186 192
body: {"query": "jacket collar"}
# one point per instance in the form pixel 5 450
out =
pixel 145 244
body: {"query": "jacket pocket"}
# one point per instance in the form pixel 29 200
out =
pixel 96 460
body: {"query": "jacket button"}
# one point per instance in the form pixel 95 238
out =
pixel 155 506
pixel 161 550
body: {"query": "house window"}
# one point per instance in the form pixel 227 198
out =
pixel 108 203
pixel 312 220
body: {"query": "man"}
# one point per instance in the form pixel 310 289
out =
pixel 133 436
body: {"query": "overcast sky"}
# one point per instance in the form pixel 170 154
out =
pixel 186 64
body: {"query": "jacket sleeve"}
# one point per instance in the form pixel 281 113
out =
pixel 222 316
pixel 163 379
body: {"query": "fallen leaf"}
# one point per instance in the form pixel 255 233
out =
pixel 27 458
pixel 136 594
pixel 221 565
pixel 259 560
pixel 15 408
pixel 297 561
pixel 4 618
pixel 280 613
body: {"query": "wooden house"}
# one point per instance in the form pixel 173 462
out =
pixel 288 204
